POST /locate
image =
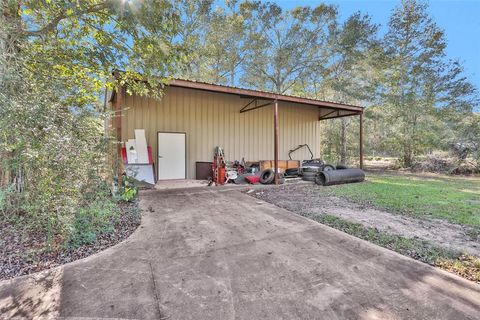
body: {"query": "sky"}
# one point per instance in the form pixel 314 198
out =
pixel 460 19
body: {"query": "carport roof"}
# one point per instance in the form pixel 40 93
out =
pixel 328 109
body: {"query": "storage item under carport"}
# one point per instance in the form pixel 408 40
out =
pixel 267 176
pixel 253 179
pixel 218 167
pixel 203 170
pixel 309 173
pixel 242 178
pixel 328 178
pixel 282 164
pixel 300 147
pixel 309 176
pixel 292 172
pixel 310 169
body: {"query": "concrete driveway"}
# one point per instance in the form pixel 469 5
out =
pixel 201 254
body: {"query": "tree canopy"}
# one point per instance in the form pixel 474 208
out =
pixel 56 59
pixel 418 98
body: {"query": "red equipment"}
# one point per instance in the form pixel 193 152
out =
pixel 253 179
pixel 218 167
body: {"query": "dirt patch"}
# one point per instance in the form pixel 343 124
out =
pixel 22 254
pixel 308 201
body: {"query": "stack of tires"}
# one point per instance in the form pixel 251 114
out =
pixel 309 173
pixel 292 172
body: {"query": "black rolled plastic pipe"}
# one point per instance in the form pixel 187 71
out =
pixel 328 178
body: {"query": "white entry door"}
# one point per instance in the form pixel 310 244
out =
pixel 171 156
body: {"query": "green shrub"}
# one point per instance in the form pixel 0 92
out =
pixel 53 153
pixel 91 221
pixel 129 191
pixel 129 194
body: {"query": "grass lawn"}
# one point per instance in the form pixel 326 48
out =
pixel 456 199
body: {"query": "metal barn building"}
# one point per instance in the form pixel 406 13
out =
pixel 193 118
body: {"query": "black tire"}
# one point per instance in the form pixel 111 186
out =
pixel 267 176
pixel 328 167
pixel 311 169
pixel 341 167
pixel 309 176
pixel 313 163
pixel 292 172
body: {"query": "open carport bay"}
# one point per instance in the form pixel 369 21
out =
pixel 205 254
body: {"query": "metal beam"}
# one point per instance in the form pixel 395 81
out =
pixel 248 104
pixel 361 140
pixel 255 107
pixel 341 116
pixel 324 116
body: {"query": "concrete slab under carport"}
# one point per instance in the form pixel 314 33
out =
pixel 196 185
pixel 220 254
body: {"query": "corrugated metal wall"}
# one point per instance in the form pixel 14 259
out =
pixel 214 119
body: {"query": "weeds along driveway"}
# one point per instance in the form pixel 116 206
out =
pixel 207 254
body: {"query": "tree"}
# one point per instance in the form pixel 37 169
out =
pixel 223 44
pixel 56 59
pixel 193 24
pixel 286 45
pixel 416 79
pixel 344 76
pixel 86 40
pixel 232 37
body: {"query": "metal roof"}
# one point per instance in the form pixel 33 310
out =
pixel 264 95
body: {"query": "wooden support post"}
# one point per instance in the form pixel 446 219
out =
pixel 118 118
pixel 361 140
pixel 276 134
pixel 117 124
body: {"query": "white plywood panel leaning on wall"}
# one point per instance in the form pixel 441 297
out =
pixel 141 144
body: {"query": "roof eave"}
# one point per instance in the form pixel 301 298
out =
pixel 247 93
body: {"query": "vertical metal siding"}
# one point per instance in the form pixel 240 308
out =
pixel 214 119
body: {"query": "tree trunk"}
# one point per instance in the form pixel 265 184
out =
pixel 9 47
pixel 407 158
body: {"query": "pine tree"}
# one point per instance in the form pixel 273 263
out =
pixel 416 80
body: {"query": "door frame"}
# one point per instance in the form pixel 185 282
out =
pixel 156 155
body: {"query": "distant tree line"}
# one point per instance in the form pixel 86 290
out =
pixel 419 100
